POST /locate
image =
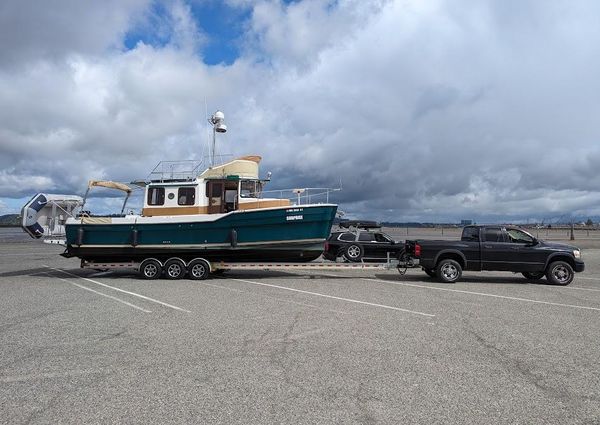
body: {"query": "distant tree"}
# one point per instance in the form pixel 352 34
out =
pixel 589 222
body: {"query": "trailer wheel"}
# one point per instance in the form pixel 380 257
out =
pixel 150 269
pixel 174 269
pixel 560 273
pixel 198 269
pixel 448 271
pixel 533 275
pixel 354 253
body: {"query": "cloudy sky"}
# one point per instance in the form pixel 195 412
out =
pixel 425 110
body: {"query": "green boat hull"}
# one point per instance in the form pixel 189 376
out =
pixel 278 234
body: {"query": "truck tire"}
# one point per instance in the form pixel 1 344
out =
pixel 354 252
pixel 198 269
pixel 560 273
pixel 533 275
pixel 174 269
pixel 448 270
pixel 150 269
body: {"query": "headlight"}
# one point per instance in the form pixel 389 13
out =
pixel 577 253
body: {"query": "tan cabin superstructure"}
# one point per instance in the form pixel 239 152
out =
pixel 232 186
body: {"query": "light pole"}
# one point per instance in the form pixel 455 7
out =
pixel 217 121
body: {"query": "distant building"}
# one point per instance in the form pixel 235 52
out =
pixel 466 222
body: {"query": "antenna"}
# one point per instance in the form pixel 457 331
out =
pixel 218 122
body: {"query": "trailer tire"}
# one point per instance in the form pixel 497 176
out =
pixel 354 253
pixel 448 270
pixel 198 269
pixel 560 273
pixel 150 269
pixel 174 269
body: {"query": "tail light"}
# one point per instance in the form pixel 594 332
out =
pixel 326 247
pixel 417 250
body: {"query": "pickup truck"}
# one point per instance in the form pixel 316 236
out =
pixel 496 248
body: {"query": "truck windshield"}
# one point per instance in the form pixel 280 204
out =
pixel 470 234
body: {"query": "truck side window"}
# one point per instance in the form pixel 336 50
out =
pixel 493 234
pixel 518 236
pixel 470 234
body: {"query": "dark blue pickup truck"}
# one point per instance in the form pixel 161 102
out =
pixel 496 248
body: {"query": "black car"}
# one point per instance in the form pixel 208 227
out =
pixel 362 241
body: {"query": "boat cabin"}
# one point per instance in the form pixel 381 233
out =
pixel 229 187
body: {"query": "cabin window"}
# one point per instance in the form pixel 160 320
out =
pixel 186 196
pixel 156 196
pixel 250 189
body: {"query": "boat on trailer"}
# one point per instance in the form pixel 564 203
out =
pixel 220 215
pixel 190 221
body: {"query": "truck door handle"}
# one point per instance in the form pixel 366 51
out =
pixel 487 246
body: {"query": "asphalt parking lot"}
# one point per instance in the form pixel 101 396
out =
pixel 78 346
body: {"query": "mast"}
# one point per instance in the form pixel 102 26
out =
pixel 218 122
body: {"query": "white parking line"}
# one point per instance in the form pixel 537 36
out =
pixel 575 287
pixel 483 294
pixel 334 297
pixel 105 295
pixel 122 290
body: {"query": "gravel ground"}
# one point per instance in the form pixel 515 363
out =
pixel 77 346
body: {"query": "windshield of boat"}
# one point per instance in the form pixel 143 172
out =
pixel 250 189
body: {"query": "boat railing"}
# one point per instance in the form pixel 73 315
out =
pixel 301 196
pixel 182 170
pixel 176 170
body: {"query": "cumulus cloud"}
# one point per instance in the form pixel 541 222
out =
pixel 423 110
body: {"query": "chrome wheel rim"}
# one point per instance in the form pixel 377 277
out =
pixel 561 274
pixel 174 270
pixel 449 271
pixel 354 251
pixel 198 270
pixel 150 270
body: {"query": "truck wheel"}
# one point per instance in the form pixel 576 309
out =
pixel 150 269
pixel 448 271
pixel 354 253
pixel 198 269
pixel 430 272
pixel 560 273
pixel 533 275
pixel 174 269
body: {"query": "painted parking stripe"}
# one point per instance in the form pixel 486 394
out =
pixel 483 294
pixel 334 297
pixel 122 290
pixel 105 295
